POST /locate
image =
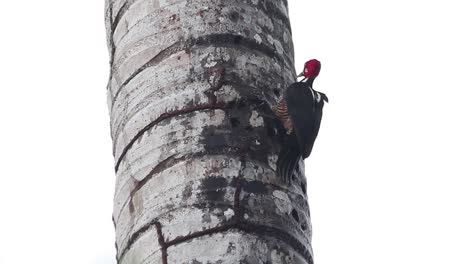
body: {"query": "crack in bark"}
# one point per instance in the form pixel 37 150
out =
pixel 111 47
pixel 135 237
pixel 164 117
pixel 168 162
pixel 163 54
pixel 217 40
pixel 123 9
pixel 161 242
pixel 209 231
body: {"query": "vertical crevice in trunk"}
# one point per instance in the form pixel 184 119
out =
pixel 195 145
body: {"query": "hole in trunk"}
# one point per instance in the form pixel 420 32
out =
pixel 295 215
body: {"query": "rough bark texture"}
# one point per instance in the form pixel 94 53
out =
pixel 190 84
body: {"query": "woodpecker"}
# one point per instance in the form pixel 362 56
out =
pixel 300 111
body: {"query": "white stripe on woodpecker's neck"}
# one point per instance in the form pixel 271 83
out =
pixel 319 97
pixel 312 91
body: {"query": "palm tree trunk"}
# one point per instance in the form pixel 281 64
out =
pixel 190 90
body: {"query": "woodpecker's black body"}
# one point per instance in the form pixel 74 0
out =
pixel 300 110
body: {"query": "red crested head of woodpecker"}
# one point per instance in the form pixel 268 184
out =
pixel 311 69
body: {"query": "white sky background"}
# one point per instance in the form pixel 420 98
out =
pixel 387 177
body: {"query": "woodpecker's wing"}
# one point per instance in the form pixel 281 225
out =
pixel 306 115
pixel 288 158
pixel 316 120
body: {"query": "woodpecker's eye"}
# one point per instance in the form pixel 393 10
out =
pixel 306 70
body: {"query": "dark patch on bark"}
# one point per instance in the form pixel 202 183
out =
pixel 170 205
pixel 276 91
pixel 234 122
pixel 231 247
pixel 215 139
pixel 206 218
pixel 213 188
pixel 256 187
pixel 256 94
pixel 237 40
pixel 173 18
pixel 187 193
pixel 213 183
pixel 234 16
pixel 237 133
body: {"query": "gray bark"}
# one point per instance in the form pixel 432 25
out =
pixel 195 156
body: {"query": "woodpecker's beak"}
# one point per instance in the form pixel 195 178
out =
pixel 300 74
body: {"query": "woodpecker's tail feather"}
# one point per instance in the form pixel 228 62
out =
pixel 287 162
